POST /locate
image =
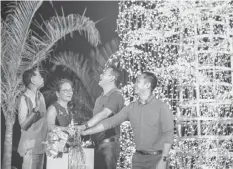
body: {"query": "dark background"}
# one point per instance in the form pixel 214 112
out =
pixel 105 12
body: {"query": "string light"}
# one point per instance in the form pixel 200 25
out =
pixel 189 46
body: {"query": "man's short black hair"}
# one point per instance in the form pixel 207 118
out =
pixel 28 74
pixel 117 74
pixel 150 77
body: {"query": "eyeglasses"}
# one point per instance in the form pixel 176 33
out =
pixel 67 90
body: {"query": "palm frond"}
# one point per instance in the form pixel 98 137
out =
pixel 14 37
pixel 22 48
pixel 100 55
pixel 81 67
pixel 16 30
pixel 59 26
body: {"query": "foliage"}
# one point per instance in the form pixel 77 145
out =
pixel 84 72
pixel 22 48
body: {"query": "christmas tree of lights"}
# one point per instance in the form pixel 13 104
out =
pixel 205 109
pixel 188 45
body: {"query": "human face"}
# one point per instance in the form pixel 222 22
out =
pixel 106 77
pixel 66 92
pixel 141 85
pixel 37 79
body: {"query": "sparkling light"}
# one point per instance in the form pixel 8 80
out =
pixel 189 46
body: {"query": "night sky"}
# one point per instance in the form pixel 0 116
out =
pixel 106 11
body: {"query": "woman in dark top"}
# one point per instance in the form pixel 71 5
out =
pixel 58 114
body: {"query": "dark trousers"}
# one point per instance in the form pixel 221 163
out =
pixel 145 161
pixel 106 155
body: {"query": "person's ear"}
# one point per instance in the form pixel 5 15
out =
pixel 112 78
pixel 57 94
pixel 32 80
pixel 148 85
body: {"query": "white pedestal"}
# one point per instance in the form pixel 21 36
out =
pixel 58 163
pixel 89 152
pixel 63 163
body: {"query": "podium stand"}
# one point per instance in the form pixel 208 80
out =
pixel 63 163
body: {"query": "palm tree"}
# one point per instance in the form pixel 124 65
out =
pixel 22 48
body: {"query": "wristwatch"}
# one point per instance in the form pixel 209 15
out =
pixel 34 110
pixel 164 158
pixel 86 125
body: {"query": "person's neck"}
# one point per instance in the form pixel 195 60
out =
pixel 62 103
pixel 106 89
pixel 145 95
pixel 33 89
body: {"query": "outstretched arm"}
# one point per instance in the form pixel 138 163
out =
pixel 114 105
pixel 98 128
pixel 108 123
pixel 106 112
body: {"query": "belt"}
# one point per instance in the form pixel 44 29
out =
pixel 149 153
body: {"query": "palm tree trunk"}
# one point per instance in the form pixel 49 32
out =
pixel 7 154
